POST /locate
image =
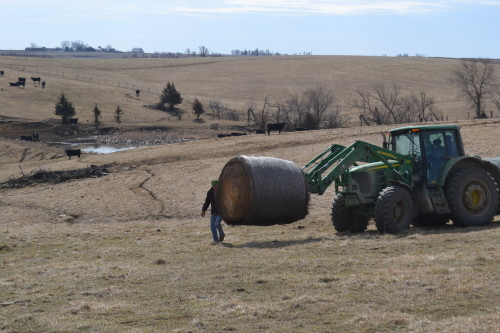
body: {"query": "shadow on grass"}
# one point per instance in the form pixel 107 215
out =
pixel 275 243
pixel 369 234
pixel 453 229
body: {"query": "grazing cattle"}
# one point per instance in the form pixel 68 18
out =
pixel 137 92
pixel 2 73
pixel 26 138
pixel 21 81
pixel 73 152
pixel 43 84
pixel 36 79
pixel 275 127
pixel 14 84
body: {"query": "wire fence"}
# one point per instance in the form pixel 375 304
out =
pixel 85 78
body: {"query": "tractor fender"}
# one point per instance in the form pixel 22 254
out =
pixel 402 184
pixel 465 161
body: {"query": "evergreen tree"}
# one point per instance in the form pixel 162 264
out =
pixel 97 114
pixel 198 108
pixel 64 108
pixel 170 96
pixel 118 114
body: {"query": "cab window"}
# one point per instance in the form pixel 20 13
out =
pixel 407 144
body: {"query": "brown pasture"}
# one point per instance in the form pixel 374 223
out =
pixel 235 82
pixel 129 251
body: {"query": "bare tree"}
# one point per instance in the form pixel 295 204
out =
pixel 372 112
pixel 384 105
pixel 276 115
pixel 389 98
pixel 335 119
pixel 294 110
pixel 320 99
pixel 203 51
pixel 262 117
pixel 425 107
pixel 216 108
pixel 473 78
pixel 495 94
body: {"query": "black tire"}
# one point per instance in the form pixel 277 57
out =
pixel 393 210
pixel 431 220
pixel 472 196
pixel 347 218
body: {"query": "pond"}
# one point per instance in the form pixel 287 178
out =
pixel 113 144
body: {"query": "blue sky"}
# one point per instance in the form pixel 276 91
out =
pixel 331 27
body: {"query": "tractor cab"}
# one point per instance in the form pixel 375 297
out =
pixel 431 146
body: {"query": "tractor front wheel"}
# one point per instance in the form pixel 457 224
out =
pixel 393 210
pixel 472 196
pixel 347 218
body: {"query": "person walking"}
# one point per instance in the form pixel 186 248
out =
pixel 215 218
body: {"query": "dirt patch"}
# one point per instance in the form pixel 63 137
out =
pixel 54 177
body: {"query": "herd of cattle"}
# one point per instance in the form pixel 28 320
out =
pixel 21 81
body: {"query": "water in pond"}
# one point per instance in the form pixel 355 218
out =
pixel 101 149
pixel 107 145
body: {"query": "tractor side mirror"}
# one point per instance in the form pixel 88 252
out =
pixel 385 144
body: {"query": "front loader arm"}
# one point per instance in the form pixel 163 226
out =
pixel 340 158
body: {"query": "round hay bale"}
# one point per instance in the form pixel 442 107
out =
pixel 262 191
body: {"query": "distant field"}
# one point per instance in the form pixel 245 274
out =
pixel 235 82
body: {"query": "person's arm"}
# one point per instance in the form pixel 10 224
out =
pixel 206 204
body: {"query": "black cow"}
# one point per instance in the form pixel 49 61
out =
pixel 26 138
pixel 137 92
pixel 36 79
pixel 43 84
pixel 14 84
pixel 73 152
pixel 2 73
pixel 21 81
pixel 275 127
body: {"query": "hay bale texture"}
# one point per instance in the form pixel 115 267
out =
pixel 262 191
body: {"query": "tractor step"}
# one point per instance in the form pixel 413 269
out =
pixel 439 201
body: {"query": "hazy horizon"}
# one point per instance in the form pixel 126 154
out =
pixel 454 29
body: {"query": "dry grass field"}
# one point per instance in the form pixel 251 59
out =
pixel 129 251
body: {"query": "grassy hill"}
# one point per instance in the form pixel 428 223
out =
pixel 129 251
pixel 236 82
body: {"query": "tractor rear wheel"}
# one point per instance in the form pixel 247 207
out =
pixel 472 196
pixel 347 218
pixel 393 210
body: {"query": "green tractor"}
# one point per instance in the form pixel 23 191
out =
pixel 421 175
